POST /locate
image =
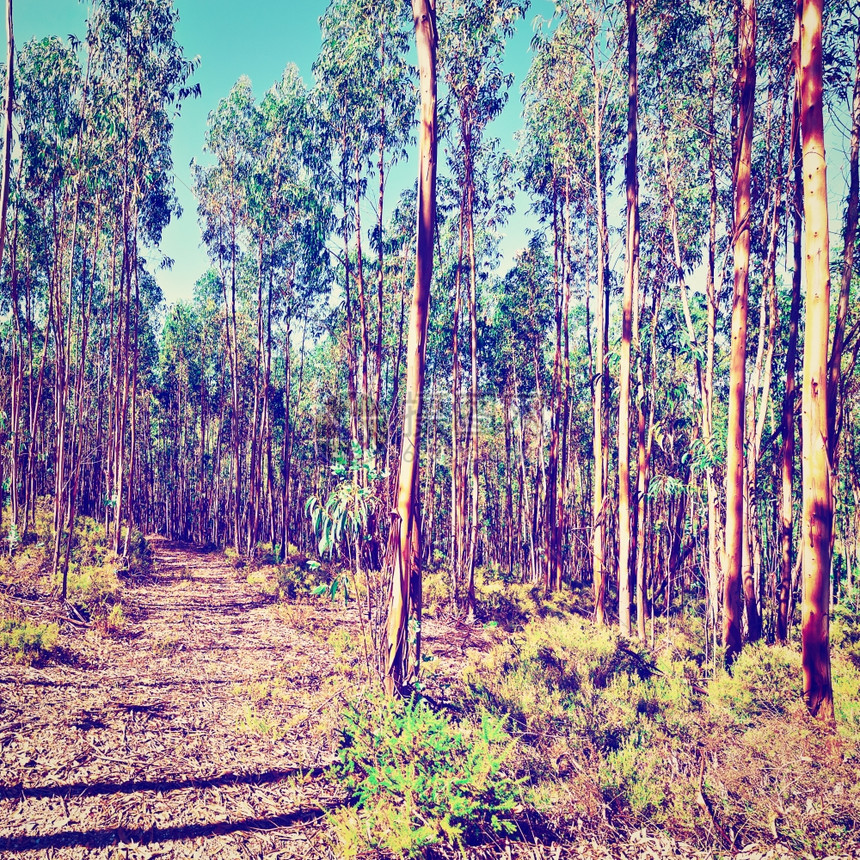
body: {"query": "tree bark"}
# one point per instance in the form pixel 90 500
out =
pixel 817 490
pixel 402 645
pixel 786 517
pixel 737 365
pixel 630 277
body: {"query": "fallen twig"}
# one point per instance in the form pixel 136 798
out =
pixel 705 805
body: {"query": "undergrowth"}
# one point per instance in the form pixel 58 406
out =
pixel 96 575
pixel 625 737
pixel 26 642
pixel 418 779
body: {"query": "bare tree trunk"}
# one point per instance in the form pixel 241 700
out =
pixel 4 205
pixel 473 391
pixel 737 366
pixel 402 646
pixel 457 489
pixel 625 550
pixel 597 504
pixel 817 490
pixel 786 523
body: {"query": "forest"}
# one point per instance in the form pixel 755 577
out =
pixel 396 540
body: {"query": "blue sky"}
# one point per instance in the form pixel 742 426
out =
pixel 256 38
pixel 259 38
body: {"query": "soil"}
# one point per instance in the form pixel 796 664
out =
pixel 173 739
pixel 203 728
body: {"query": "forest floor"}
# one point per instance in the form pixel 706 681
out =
pixel 203 730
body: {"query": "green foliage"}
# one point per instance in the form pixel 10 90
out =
pixel 846 695
pixel 845 627
pixel 514 604
pixel 139 560
pixel 419 779
pixel 28 642
pixel 765 680
pixel 286 581
pixel 436 589
pixel 343 519
pixel 95 588
pixel 575 690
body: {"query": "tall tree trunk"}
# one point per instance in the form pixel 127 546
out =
pixel 4 205
pixel 737 366
pixel 599 443
pixel 473 389
pixel 817 490
pixel 786 517
pixel 402 646
pixel 708 390
pixel 7 130
pixel 630 277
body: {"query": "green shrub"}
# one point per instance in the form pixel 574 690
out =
pixel 96 589
pixel 436 589
pixel 513 604
pixel 540 675
pixel 28 642
pixel 765 680
pixel 140 558
pixel 286 581
pixel 419 779
pixel 846 696
pixel 845 628
pixel 296 580
pixel 264 580
pixel 581 693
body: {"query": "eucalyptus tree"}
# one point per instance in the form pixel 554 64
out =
pixel 364 99
pixel 746 80
pixel 297 216
pixel 523 312
pixel 631 286
pixel 556 157
pixel 287 223
pixel 402 647
pixel 144 76
pixel 817 487
pixel 471 52
pixel 571 128
pixel 684 92
pixel 222 208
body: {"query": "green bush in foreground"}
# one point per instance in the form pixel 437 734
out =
pixel 28 642
pixel 418 779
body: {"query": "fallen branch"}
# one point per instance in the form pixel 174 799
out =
pixel 318 708
pixel 705 805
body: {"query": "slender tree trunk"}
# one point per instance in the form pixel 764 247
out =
pixel 597 504
pixel 625 550
pixel 737 366
pixel 786 516
pixel 456 454
pixel 7 130
pixel 473 392
pixel 817 489
pixel 15 363
pixel 402 645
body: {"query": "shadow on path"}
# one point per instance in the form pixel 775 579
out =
pixel 143 836
pixel 12 792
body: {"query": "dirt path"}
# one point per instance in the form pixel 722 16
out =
pixel 198 734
